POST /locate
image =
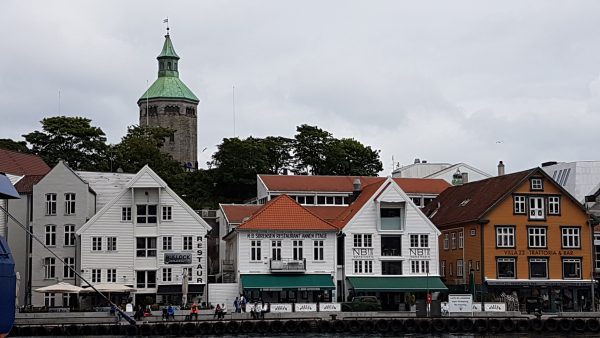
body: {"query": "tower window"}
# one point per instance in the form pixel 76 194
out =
pixel 168 65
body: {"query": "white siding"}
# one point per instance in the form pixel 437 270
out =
pixel 223 293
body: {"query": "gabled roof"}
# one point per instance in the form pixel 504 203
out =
pixel 482 196
pixel 16 163
pixel 458 165
pixel 25 184
pixel 345 184
pixel 283 213
pixel 365 195
pixel 145 172
pixel 236 213
pixel 105 184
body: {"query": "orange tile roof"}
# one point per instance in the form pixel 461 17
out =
pixel 366 193
pixel 16 163
pixel 236 213
pixel 328 213
pixel 345 184
pixel 283 213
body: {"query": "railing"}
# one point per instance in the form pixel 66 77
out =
pixel 287 265
pixel 391 252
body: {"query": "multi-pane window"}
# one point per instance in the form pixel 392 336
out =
pixel 69 235
pixel 49 267
pixel 318 248
pixel 255 254
pixel 111 275
pixel 570 238
pixel 167 274
pixel 68 267
pixel 419 241
pixel 96 243
pixel 391 218
pixel 145 279
pixel 145 246
pixel 538 267
pixel 505 237
pixel 363 240
pixel 519 204
pixel 391 268
pixel 571 268
pixel 189 272
pixel 536 237
pixel 51 235
pixel 50 204
pixel 146 213
pixel 459 268
pixel 363 266
pixel 419 266
pixel 126 214
pixel 461 240
pixel 276 250
pixel 537 184
pixel 297 250
pixel 554 205
pixel 167 213
pixel 69 204
pixel 443 268
pixel 446 241
pixel 111 243
pixel 167 243
pixel 536 208
pixel 49 299
pixel 96 275
pixel 187 243
pixel 454 240
pixel 506 267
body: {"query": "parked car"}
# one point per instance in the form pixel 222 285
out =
pixel 362 303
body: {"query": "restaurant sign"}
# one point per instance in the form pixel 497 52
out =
pixel 178 258
pixel 323 307
pixel 278 308
pixel 306 307
pixel 460 303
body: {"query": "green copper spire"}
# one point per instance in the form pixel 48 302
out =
pixel 168 84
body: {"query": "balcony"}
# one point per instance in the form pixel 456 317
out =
pixel 287 265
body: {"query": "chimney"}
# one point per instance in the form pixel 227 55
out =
pixel 465 178
pixel 457 178
pixel 357 189
pixel 500 168
pixel 417 160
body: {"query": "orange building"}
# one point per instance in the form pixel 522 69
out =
pixel 519 234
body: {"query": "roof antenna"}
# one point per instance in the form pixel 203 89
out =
pixel 59 102
pixel 166 20
pixel 233 104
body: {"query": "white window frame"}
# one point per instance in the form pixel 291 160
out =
pixel 146 217
pixel 419 240
pixel 167 243
pixel 50 235
pixel 538 260
pixel 49 299
pixel 255 251
pixel 125 214
pixel 190 273
pixel 96 243
pixel 419 267
pixel 520 205
pixel 318 250
pixel 51 204
pixel 537 237
pixel 573 261
pixel 167 213
pixel 446 241
pixel 459 268
pixel 453 240
pixel 506 260
pixel 147 284
pixel 147 251
pixel 554 205
pixel 276 250
pixel 69 239
pixel 363 240
pixel 298 250
pixel 505 237
pixel 167 274
pixel 537 184
pixel 443 268
pixel 111 275
pixel 461 239
pixel 363 266
pixel 111 243
pixel 537 208
pixel 68 262
pixel 96 275
pixel 70 203
pixel 571 237
pixel 188 243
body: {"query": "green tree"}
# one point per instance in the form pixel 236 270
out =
pixel 350 157
pixel 72 139
pixel 310 150
pixel 141 146
pixel 8 144
pixel 279 153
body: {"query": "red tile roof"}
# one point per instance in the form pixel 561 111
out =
pixel 481 196
pixel 366 194
pixel 236 213
pixel 328 213
pixel 345 184
pixel 25 184
pixel 15 163
pixel 283 213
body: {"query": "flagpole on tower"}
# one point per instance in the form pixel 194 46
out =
pixel 166 20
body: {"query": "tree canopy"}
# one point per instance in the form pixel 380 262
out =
pixel 8 144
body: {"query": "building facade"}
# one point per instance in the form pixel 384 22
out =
pixel 445 171
pixel 519 234
pixel 171 104
pixel 148 238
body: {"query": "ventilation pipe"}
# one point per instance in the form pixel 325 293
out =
pixel 465 178
pixel 500 168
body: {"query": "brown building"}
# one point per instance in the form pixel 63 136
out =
pixel 520 234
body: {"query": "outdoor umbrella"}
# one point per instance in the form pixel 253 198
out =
pixel 184 288
pixel 110 287
pixel 61 287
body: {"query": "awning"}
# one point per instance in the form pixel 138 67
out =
pixel 396 284
pixel 287 282
pixel 538 282
pixel 175 289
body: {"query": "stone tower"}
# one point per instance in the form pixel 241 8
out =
pixel 171 104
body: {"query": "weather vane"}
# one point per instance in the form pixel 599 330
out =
pixel 166 20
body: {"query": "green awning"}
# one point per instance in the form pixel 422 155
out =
pixel 281 282
pixel 396 284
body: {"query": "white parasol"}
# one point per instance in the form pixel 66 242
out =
pixel 61 287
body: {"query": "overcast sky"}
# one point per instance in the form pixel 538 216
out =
pixel 444 81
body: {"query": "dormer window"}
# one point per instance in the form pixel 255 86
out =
pixel 537 184
pixel 392 216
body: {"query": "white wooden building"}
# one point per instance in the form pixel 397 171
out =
pixel 148 238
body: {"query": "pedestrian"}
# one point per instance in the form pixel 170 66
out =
pixel 263 309
pixel 217 312
pixel 243 303
pixel 223 311
pixel 236 305
pixel 258 310
pixel 194 311
pixel 170 312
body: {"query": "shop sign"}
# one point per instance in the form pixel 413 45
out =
pixel 323 307
pixel 419 252
pixel 306 307
pixel 476 307
pixel 178 258
pixel 460 303
pixel 362 252
pixel 538 252
pixel 278 308
pixel 284 235
pixel 495 307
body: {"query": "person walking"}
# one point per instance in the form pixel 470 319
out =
pixel 236 305
pixel 194 311
pixel 243 302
